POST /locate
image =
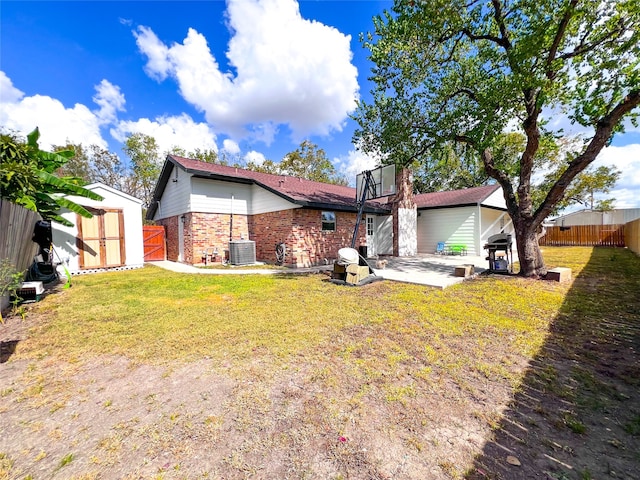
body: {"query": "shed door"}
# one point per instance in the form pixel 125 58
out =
pixel 101 239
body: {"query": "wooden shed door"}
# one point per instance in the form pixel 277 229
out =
pixel 101 239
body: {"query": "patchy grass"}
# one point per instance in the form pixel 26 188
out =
pixel 148 373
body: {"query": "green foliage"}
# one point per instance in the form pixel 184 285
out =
pixel 307 161
pixel 310 162
pixel 452 71
pixel 451 168
pixel 10 281
pixel 144 154
pixel 27 178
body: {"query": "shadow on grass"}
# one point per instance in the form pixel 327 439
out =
pixel 7 348
pixel 577 412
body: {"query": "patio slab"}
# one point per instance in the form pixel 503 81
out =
pixel 431 270
pixel 436 271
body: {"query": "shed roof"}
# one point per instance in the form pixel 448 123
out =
pixel 455 198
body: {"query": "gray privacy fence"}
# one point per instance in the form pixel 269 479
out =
pixel 16 230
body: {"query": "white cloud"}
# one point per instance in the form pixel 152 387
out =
pixel 8 93
pixel 289 71
pixel 172 131
pixel 230 147
pixel 353 163
pixel 58 124
pixel 627 160
pixel 110 100
pixel 255 157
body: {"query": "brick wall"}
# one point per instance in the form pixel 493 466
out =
pixel 301 230
pixel 211 230
pixel 171 231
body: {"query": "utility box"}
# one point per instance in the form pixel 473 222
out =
pixel 242 252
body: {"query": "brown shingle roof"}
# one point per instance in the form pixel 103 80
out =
pixel 455 198
pixel 297 190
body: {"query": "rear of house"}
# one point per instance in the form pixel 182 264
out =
pixel 205 206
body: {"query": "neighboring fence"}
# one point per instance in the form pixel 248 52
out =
pixel 16 230
pixel 632 236
pixel 585 235
pixel 154 243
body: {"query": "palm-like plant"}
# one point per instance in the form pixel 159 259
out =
pixel 27 178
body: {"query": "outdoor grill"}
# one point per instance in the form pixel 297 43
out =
pixel 496 245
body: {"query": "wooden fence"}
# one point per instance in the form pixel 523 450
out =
pixel 632 236
pixel 16 230
pixel 585 235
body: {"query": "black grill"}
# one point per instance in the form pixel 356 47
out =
pixel 496 244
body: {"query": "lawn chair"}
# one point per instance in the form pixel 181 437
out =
pixel 440 249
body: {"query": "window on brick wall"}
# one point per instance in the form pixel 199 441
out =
pixel 328 221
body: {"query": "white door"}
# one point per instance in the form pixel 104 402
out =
pixel 371 235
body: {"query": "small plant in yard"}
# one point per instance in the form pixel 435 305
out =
pixel 10 281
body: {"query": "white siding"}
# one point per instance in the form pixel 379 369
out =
pixel 496 199
pixel 215 196
pixel 64 238
pixel 449 225
pixel 493 222
pixel 263 201
pixel 175 198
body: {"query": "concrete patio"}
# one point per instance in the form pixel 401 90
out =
pixel 430 270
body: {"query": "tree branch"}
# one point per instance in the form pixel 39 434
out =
pixel 604 131
pixel 562 28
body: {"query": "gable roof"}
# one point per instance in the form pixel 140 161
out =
pixel 296 190
pixel 455 198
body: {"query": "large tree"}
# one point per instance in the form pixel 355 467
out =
pixel 311 162
pixel 144 153
pixel 469 71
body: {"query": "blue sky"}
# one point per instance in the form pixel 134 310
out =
pixel 249 78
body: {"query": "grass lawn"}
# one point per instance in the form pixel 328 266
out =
pixel 153 374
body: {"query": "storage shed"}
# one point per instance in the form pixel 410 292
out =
pixel 111 239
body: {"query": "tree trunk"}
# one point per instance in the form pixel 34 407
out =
pixel 531 262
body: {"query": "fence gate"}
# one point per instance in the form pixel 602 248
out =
pixel 154 244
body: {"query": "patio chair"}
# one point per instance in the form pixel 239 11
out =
pixel 458 250
pixel 440 249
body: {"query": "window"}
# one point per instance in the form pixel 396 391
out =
pixel 370 226
pixel 328 222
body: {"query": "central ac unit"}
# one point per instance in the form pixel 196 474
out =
pixel 242 252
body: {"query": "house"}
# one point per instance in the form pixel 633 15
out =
pixel 205 206
pixel 616 216
pixel 461 217
pixel 111 239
